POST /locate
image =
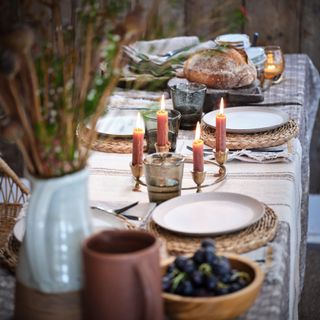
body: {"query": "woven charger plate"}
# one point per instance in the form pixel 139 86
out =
pixel 242 241
pixel 265 139
pixel 107 144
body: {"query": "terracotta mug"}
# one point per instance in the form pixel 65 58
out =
pixel 122 276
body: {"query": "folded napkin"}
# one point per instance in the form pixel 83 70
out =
pixel 146 56
pixel 265 155
pixel 162 46
pixel 281 153
pixel 154 49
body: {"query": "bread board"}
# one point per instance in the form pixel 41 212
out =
pixel 234 97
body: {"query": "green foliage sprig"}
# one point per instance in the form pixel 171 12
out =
pixel 50 82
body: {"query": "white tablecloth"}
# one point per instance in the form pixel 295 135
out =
pixel 278 185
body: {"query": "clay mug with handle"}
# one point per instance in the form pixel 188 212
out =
pixel 122 276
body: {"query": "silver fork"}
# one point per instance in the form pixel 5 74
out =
pixel 119 211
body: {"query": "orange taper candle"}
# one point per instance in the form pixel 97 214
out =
pixel 221 136
pixel 162 124
pixel 197 148
pixel 137 143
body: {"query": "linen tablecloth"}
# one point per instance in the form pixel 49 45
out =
pixel 278 185
pixel 299 95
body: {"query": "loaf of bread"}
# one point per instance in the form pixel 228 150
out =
pixel 221 68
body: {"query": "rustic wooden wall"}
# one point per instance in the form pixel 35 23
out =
pixel 292 24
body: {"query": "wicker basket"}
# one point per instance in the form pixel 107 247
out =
pixel 14 194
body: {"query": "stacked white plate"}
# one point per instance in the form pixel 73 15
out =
pixel 237 40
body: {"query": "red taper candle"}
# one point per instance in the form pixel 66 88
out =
pixel 197 148
pixel 137 142
pixel 162 124
pixel 221 135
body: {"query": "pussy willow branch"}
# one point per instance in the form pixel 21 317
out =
pixel 101 104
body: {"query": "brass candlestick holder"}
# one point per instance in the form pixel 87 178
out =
pixel 137 172
pixel 221 156
pixel 162 149
pixel 198 177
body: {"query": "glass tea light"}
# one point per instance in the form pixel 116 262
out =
pixel 163 173
pixel 274 64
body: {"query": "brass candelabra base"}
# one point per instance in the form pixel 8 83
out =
pixel 221 156
pixel 198 177
pixel 161 149
pixel 137 172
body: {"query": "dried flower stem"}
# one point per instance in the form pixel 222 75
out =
pixel 87 63
pixel 25 123
pixel 101 104
pixel 25 155
pixel 34 89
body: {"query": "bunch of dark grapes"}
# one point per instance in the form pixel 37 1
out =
pixel 204 274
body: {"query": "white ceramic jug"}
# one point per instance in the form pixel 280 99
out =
pixel 57 223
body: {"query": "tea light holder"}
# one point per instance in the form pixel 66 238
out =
pixel 198 177
pixel 162 149
pixel 137 172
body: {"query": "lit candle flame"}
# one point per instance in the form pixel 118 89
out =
pixel 162 103
pixel 221 106
pixel 139 122
pixel 198 132
pixel 270 58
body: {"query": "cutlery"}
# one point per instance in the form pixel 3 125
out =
pixel 119 211
pixel 172 53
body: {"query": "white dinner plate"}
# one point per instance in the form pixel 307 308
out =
pixel 99 220
pixel 249 119
pixel 210 213
pixel 118 123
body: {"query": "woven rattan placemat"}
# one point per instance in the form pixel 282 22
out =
pixel 105 143
pixel 265 139
pixel 242 241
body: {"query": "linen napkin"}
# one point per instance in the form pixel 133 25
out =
pixel 145 55
pixel 153 49
pixel 282 153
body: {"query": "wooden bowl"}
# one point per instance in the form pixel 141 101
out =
pixel 226 306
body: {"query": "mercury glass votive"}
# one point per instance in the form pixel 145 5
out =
pixel 188 99
pixel 163 173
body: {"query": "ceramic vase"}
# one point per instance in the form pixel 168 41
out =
pixel 49 272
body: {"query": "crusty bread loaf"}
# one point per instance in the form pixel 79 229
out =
pixel 221 68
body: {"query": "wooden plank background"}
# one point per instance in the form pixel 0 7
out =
pixel 292 24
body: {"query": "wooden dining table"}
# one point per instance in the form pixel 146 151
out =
pixel 283 186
